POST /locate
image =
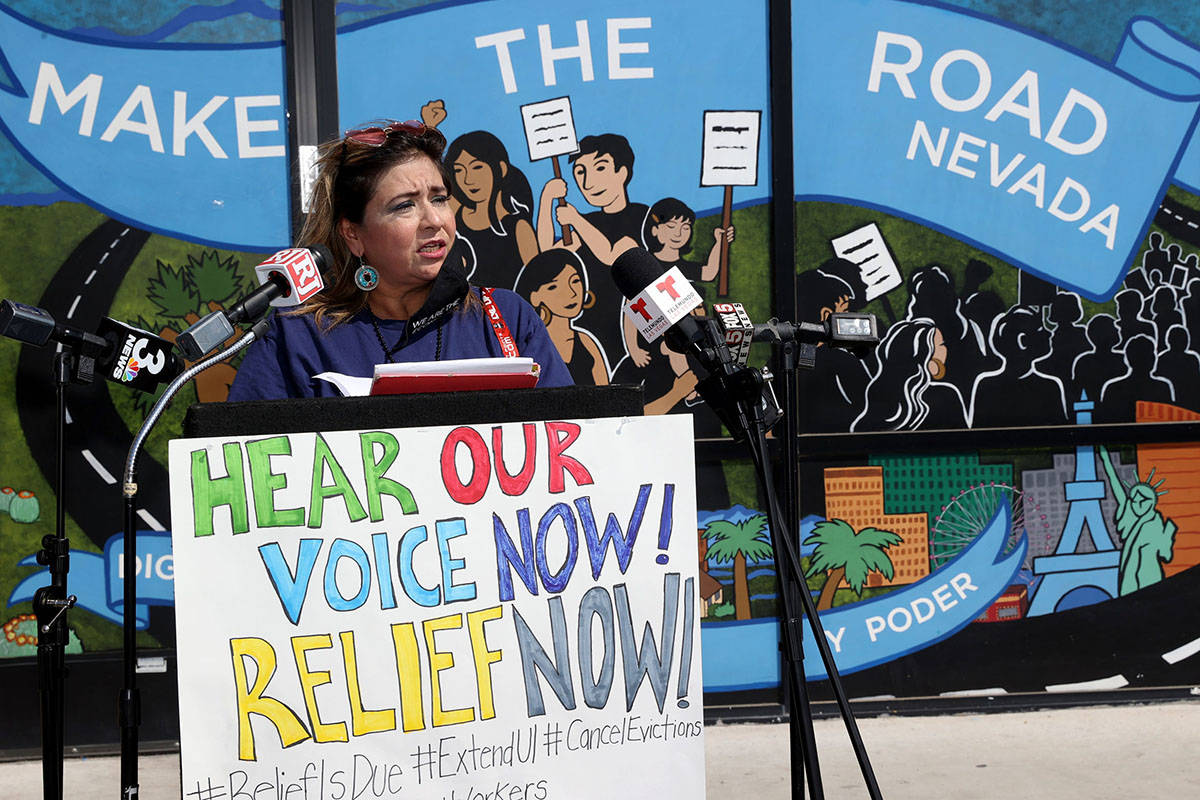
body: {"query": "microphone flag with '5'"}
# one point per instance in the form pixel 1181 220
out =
pixel 735 324
pixel 288 278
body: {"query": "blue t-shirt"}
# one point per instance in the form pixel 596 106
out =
pixel 284 362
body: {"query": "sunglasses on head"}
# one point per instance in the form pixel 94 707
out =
pixel 376 135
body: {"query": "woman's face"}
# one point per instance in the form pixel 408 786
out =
pixel 673 233
pixel 562 296
pixel 407 227
pixel 474 177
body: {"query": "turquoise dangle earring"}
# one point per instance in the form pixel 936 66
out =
pixel 366 277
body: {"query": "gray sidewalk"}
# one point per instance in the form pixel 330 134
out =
pixel 1128 752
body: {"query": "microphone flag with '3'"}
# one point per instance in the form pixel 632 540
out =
pixel 137 358
pixel 119 352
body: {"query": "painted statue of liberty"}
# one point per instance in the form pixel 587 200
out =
pixel 1147 539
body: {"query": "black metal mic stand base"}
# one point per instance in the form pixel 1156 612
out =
pixel 51 603
pixel 737 397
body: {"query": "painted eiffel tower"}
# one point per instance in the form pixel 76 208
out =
pixel 1070 578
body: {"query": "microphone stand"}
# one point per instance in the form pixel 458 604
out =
pixel 51 603
pixel 74 362
pixel 129 704
pixel 739 397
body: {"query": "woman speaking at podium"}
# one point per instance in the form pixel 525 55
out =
pixel 396 290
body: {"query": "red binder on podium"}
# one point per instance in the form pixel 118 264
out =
pixel 457 375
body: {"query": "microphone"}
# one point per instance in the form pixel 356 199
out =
pixel 137 358
pixel 841 328
pixel 287 278
pixel 121 353
pixel 738 330
pixel 662 302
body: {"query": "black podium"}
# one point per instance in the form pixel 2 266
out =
pixel 411 410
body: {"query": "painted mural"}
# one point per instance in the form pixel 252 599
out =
pixel 979 176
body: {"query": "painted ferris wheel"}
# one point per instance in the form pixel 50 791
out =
pixel 969 511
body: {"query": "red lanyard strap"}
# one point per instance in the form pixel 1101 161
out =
pixel 508 345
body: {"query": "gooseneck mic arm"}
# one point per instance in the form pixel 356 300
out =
pixel 129 703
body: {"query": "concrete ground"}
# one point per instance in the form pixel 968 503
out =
pixel 1126 752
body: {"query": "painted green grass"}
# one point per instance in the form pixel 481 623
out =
pixel 132 303
pixel 37 241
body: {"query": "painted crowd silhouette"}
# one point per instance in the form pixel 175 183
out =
pixel 962 358
pixel 959 356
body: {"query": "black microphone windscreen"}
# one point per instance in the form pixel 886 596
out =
pixel 25 323
pixel 634 270
pixel 322 256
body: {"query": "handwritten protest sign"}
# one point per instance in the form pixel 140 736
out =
pixel 868 250
pixel 550 133
pixel 729 158
pixel 730 149
pixel 458 612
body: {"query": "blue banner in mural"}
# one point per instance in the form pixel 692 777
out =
pixel 647 70
pixel 184 139
pixel 97 579
pixel 190 140
pixel 745 655
pixel 1157 57
pixel 1018 145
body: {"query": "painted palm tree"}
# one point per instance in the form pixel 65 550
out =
pixel 737 542
pixel 849 555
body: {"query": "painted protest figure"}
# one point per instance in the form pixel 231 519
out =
pixel 1147 538
pixel 1164 312
pixel 1006 395
pixel 932 296
pixel 1119 396
pixel 980 306
pixel 668 383
pixel 907 391
pixel 1130 321
pixel 1190 304
pixel 1179 365
pixel 982 309
pixel 831 393
pixel 1068 340
pixel 1189 269
pixel 554 284
pixel 493 208
pixel 1102 362
pixel 602 168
